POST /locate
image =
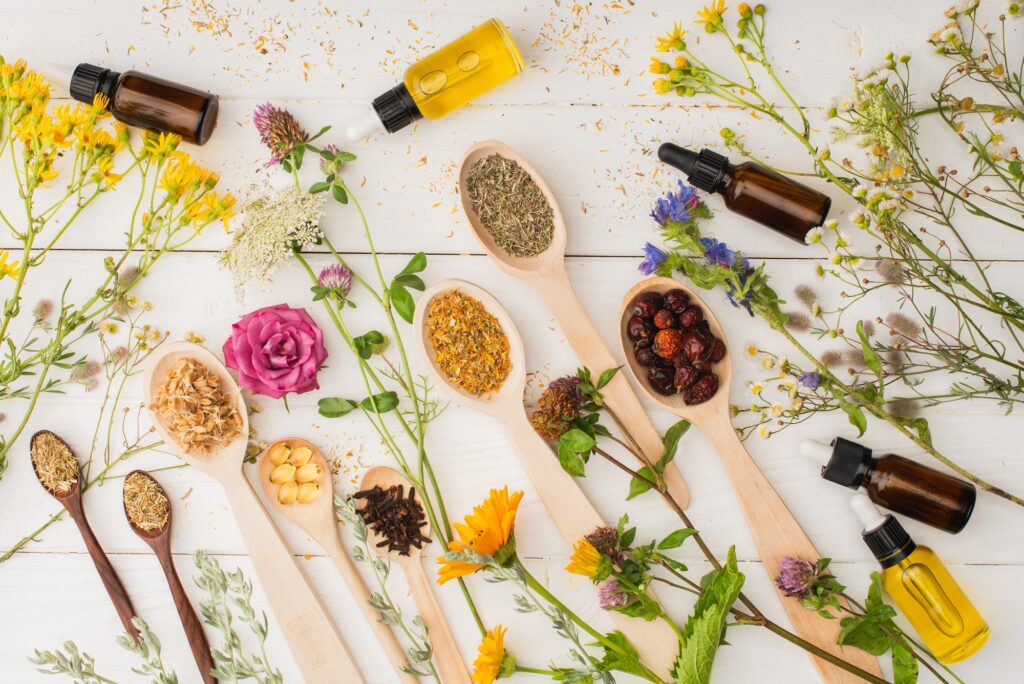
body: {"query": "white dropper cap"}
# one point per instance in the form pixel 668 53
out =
pixel 816 451
pixel 870 517
pixel 366 125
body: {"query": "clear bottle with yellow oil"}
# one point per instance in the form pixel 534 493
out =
pixel 444 80
pixel 919 584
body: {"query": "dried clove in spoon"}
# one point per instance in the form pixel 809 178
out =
pixel 396 518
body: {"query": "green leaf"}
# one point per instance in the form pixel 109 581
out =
pixel 335 407
pixel 403 302
pixel 671 442
pixel 607 376
pixel 866 632
pixel 904 666
pixel 577 440
pixel 638 486
pixel 642 607
pixel 380 403
pixel 870 357
pixel 1015 169
pixel 855 414
pixel 339 194
pixel 319 292
pixel 676 539
pixel 318 187
pixel 411 281
pixel 628 661
pixel 570 459
pixel 416 264
pixel 705 628
pixel 297 154
pixel 319 133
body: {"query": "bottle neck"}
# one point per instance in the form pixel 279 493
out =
pixel 107 83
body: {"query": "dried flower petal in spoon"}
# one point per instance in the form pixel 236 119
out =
pixel 470 347
pixel 510 206
pixel 55 464
pixel 145 503
pixel 198 414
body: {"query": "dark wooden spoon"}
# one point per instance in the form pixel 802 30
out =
pixel 72 501
pixel 160 541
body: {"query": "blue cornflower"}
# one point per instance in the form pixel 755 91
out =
pixel 675 206
pixel 810 380
pixel 654 258
pixel 718 253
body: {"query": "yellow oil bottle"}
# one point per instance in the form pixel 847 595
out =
pixel 444 80
pixel 921 586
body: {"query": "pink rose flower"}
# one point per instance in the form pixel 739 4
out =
pixel 276 350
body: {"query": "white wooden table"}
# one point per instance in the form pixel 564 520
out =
pixel 586 118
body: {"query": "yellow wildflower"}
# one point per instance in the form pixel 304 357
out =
pixel 673 40
pixel 744 10
pixel 585 559
pixel 485 532
pixel 160 145
pixel 662 86
pixel 711 16
pixel 659 67
pixel 755 388
pixel 487 666
pixel 10 270
pixel 105 173
pixel 682 62
pixel 108 326
pixel 764 432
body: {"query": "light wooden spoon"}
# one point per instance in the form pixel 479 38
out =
pixel 568 507
pixel 320 653
pixel 449 661
pixel 776 532
pixel 318 520
pixel 546 273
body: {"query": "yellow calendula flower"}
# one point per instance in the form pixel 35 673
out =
pixel 711 15
pixel 585 559
pixel 484 532
pixel 673 40
pixel 9 270
pixel 487 666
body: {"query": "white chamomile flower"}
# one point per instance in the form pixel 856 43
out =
pixel 767 362
pixel 819 271
pixel 835 258
pixel 777 409
pixel 764 432
pixel 813 236
pixel 815 309
pixel 860 192
pixel 832 224
pixel 755 388
pixel 842 239
pixel 751 351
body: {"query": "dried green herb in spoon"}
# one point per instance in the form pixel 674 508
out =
pixel 510 206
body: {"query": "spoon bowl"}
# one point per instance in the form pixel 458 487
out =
pixel 511 391
pixel 553 256
pixel 150 535
pixel 702 414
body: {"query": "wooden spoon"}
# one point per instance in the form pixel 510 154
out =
pixel 449 661
pixel 72 501
pixel 319 650
pixel 160 541
pixel 572 513
pixel 318 520
pixel 776 532
pixel 546 273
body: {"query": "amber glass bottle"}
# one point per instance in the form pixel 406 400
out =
pixel 149 102
pixel 897 483
pixel 752 190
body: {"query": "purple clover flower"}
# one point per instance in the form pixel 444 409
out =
pixel 675 206
pixel 336 278
pixel 329 166
pixel 279 130
pixel 810 380
pixel 654 258
pixel 796 576
pixel 609 595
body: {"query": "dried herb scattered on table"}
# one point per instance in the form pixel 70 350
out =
pixel 470 346
pixel 55 464
pixel 145 503
pixel 197 412
pixel 396 518
pixel 510 206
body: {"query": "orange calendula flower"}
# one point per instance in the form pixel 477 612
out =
pixel 585 559
pixel 487 666
pixel 8 270
pixel 484 532
pixel 711 15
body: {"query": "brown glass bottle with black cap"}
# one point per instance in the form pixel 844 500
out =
pixel 752 190
pixel 897 483
pixel 145 101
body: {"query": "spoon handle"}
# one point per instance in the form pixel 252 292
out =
pixel 112 583
pixel 449 661
pixel 777 534
pixel 186 613
pixel 357 585
pixel 319 651
pixel 556 290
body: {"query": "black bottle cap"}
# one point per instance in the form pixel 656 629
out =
pixel 889 542
pixel 86 81
pixel 396 108
pixel 849 464
pixel 705 169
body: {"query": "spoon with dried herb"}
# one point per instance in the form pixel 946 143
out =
pixel 398 530
pixel 57 469
pixel 149 515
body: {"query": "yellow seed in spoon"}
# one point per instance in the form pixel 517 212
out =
pixel 279 454
pixel 307 473
pixel 282 473
pixel 308 491
pixel 287 493
pixel 300 456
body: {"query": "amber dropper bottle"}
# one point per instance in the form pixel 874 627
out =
pixel 897 483
pixel 752 190
pixel 920 585
pixel 148 102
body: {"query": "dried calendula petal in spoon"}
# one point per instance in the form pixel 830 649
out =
pixel 300 456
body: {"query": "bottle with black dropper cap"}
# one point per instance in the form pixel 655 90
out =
pixel 897 483
pixel 752 190
pixel 145 101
